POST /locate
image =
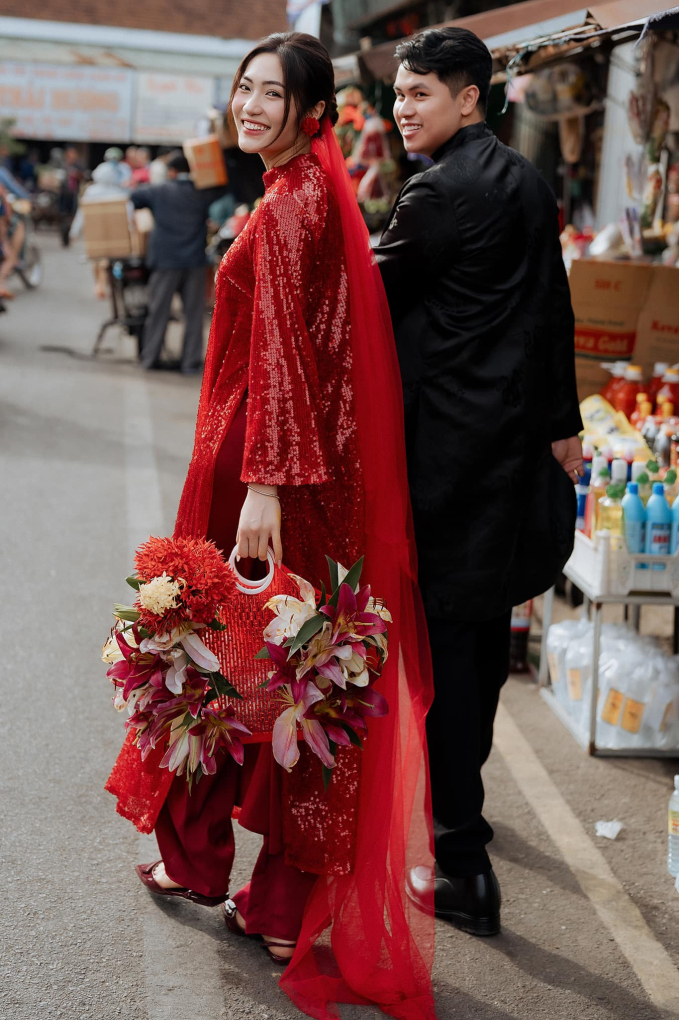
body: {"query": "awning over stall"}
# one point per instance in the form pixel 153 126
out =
pixel 533 32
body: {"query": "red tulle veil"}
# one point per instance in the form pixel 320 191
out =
pixel 382 945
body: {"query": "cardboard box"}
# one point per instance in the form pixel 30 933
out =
pixel 206 160
pixel 106 228
pixel 607 300
pixel 658 326
pixel 143 225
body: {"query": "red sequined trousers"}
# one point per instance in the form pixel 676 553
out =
pixel 195 831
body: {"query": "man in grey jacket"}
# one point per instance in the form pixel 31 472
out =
pixel 176 257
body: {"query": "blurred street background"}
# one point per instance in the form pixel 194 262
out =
pixel 95 105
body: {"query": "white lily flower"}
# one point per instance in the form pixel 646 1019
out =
pixel 176 674
pixel 291 613
pixel 379 609
pixel 199 652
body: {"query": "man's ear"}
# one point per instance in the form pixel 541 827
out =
pixel 470 98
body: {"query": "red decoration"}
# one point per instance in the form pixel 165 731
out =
pixel 310 126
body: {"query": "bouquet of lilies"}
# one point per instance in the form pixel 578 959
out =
pixel 165 677
pixel 327 654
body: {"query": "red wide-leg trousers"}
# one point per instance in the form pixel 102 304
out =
pixel 194 830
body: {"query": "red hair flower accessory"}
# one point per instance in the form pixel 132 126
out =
pixel 310 126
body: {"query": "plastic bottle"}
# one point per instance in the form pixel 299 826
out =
pixel 581 494
pixel 601 476
pixel 673 831
pixel 649 431
pixel 634 519
pixel 625 395
pixel 643 409
pixel 674 535
pixel 610 510
pixel 518 642
pixel 617 370
pixel 662 447
pixel 671 486
pixel 655 383
pixel 658 525
pixel 669 391
pixel 587 459
pixel 619 471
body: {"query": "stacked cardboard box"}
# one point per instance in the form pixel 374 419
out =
pixel 623 311
pixel 110 232
pixel 206 159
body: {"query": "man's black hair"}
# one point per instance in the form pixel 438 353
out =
pixel 456 55
pixel 179 163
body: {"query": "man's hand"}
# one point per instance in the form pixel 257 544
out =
pixel 568 452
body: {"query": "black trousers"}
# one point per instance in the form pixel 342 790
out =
pixel 163 285
pixel 471 663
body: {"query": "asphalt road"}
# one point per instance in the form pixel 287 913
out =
pixel 92 459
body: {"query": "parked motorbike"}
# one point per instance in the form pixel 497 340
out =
pixel 29 267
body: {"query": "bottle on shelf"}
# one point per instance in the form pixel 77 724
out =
pixel 673 831
pixel 663 446
pixel 649 431
pixel 643 409
pixel 625 395
pixel 669 391
pixel 617 370
pixel 610 510
pixel 634 519
pixel 655 383
pixel 587 459
pixel 619 472
pixel 674 534
pixel 601 477
pixel 658 524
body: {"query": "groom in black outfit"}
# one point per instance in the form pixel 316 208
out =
pixel 479 297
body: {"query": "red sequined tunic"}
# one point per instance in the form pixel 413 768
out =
pixel 281 332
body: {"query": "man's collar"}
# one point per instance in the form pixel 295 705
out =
pixel 461 137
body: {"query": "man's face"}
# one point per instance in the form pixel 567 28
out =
pixel 427 114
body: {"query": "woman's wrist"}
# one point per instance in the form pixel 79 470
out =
pixel 268 490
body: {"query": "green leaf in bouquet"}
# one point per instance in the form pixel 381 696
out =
pixel 306 632
pixel 134 582
pixel 352 734
pixel 126 613
pixel 263 653
pixel 223 687
pixel 352 579
pixel 327 773
pixel 323 597
pixel 334 573
pixel 217 624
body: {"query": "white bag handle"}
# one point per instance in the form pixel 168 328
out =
pixel 253 587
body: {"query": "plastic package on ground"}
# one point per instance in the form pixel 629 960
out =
pixel 638 703
pixel 611 830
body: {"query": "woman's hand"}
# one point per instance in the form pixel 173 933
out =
pixel 260 524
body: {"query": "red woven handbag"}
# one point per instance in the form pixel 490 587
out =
pixel 236 647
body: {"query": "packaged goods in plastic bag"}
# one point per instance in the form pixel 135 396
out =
pixel 638 701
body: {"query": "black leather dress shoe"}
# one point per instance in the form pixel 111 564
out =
pixel 471 903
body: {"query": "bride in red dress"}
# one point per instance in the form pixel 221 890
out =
pixel 299 447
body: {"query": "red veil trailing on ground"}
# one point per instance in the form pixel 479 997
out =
pixel 381 944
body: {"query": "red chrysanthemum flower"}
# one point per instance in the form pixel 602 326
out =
pixel 208 580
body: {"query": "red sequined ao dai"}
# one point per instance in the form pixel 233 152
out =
pixel 281 335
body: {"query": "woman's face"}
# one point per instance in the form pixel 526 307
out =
pixel 258 109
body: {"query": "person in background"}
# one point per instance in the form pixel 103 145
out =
pixel 74 173
pixel 13 232
pixel 115 156
pixel 158 166
pixel 105 185
pixel 140 173
pixel 176 257
pixel 484 328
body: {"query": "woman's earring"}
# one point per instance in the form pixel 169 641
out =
pixel 310 126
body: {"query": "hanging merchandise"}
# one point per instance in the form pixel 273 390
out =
pixel 572 138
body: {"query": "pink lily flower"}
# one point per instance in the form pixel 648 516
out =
pixel 285 672
pixel 350 621
pixel 284 737
pixel 219 728
pixel 199 652
pixel 135 668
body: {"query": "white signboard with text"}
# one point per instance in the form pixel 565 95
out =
pixel 169 107
pixel 59 101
